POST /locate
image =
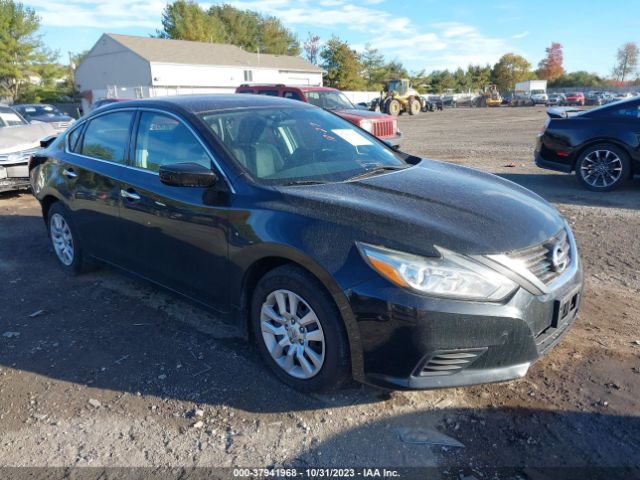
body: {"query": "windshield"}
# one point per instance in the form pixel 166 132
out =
pixel 38 110
pixel 328 99
pixel 280 146
pixel 9 118
pixel 537 92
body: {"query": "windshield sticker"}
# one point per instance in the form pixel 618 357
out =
pixel 353 137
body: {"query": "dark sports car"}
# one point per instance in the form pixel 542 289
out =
pixel 601 145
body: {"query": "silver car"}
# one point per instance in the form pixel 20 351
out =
pixel 18 140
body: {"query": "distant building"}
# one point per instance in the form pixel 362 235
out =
pixel 124 66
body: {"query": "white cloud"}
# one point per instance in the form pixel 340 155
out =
pixel 439 45
pixel 520 35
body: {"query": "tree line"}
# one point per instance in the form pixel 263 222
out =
pixel 24 58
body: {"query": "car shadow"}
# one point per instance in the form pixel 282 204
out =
pixel 109 331
pixel 564 188
pixel 498 442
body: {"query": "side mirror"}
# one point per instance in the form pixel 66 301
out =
pixel 187 175
pixel 45 142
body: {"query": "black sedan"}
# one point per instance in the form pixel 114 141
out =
pixel 601 145
pixel 341 256
pixel 45 113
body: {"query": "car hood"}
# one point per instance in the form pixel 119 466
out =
pixel 361 113
pixel 23 137
pixel 51 118
pixel 433 204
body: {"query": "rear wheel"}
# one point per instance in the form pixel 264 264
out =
pixel 299 330
pixel 603 167
pixel 65 241
pixel 414 106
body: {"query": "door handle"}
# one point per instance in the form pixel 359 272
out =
pixel 69 173
pixel 129 195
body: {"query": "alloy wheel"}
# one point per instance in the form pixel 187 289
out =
pixel 601 168
pixel 62 239
pixel 292 333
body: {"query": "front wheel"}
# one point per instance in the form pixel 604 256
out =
pixel 602 167
pixel 393 107
pixel 299 331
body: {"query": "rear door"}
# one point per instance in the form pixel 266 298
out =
pixel 176 236
pixel 90 174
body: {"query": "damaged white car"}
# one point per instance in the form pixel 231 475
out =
pixel 18 140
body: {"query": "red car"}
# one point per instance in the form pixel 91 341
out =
pixel 383 126
pixel 575 98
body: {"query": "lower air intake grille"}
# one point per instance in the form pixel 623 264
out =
pixel 448 362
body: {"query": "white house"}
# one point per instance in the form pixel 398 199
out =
pixel 124 66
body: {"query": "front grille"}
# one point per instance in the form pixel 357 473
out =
pixel 18 157
pixel 383 128
pixel 448 362
pixel 539 260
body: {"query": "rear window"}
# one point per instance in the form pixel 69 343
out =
pixel 292 95
pixel 106 137
pixel 271 93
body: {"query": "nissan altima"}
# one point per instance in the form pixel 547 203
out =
pixel 340 256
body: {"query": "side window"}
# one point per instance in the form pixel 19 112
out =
pixel 271 93
pixel 106 137
pixel 314 99
pixel 163 140
pixel 72 139
pixel 292 95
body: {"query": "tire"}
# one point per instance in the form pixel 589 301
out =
pixel 393 107
pixel 614 164
pixel 278 332
pixel 65 240
pixel 414 106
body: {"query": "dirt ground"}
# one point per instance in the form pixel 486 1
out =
pixel 104 370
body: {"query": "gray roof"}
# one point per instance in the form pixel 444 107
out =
pixel 201 53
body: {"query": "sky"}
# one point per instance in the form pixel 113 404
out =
pixel 422 34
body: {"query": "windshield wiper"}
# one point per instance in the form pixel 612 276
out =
pixel 303 182
pixel 375 171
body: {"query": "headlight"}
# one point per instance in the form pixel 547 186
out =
pixel 450 276
pixel 366 125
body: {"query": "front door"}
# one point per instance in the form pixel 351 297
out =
pixel 176 236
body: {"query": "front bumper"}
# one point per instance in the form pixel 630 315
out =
pixel 14 176
pixel 407 338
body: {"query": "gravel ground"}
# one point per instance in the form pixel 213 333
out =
pixel 104 370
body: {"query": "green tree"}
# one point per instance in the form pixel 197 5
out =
pixel 22 55
pixel 511 69
pixel 373 67
pixel 577 79
pixel 186 20
pixel 342 64
pixel 276 39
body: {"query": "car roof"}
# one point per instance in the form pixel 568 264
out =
pixel 32 105
pixel 208 103
pixel 305 88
